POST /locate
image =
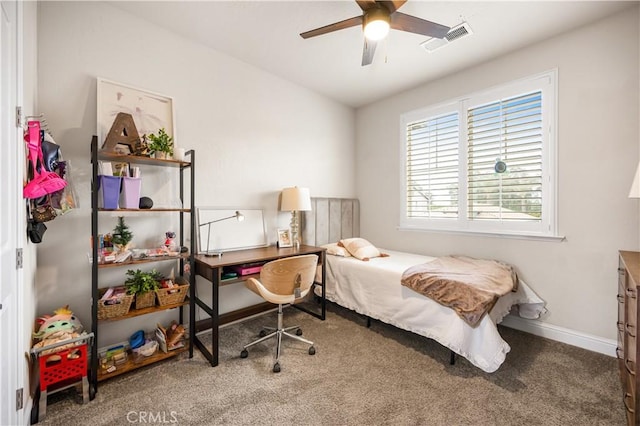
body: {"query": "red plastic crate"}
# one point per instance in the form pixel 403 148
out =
pixel 58 367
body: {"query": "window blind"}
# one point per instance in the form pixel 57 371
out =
pixel 507 133
pixel 432 167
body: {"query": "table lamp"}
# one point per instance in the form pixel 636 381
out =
pixel 295 200
pixel 239 216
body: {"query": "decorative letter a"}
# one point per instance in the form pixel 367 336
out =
pixel 123 132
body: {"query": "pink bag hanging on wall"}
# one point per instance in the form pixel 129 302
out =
pixel 43 182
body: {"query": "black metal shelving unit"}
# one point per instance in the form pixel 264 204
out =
pixel 186 171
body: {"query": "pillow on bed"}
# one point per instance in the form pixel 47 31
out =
pixel 361 248
pixel 336 250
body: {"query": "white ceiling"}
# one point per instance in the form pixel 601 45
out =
pixel 266 34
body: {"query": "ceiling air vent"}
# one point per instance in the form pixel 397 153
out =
pixel 454 33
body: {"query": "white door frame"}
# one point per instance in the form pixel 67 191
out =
pixel 12 364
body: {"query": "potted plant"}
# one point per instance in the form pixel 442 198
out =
pixel 162 145
pixel 143 286
pixel 122 236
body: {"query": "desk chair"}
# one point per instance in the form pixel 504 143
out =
pixel 283 282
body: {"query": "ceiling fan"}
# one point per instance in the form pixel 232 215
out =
pixel 378 17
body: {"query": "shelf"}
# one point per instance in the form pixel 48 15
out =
pixel 238 279
pixel 137 312
pixel 121 158
pixel 136 361
pixel 146 210
pixel 145 260
pixel 182 172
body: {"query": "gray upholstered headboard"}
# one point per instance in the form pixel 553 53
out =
pixel 329 220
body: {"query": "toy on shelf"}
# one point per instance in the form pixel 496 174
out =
pixel 170 243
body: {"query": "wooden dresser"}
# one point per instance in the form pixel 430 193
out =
pixel 628 351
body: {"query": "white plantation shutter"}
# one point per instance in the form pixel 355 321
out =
pixel 432 163
pixel 507 131
pixel 494 173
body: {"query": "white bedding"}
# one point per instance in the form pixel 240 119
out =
pixel 373 289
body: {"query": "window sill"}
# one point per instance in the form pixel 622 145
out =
pixel 530 237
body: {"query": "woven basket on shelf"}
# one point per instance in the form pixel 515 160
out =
pixel 170 296
pixel 145 300
pixel 115 310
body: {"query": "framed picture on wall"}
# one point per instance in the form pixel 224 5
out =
pixel 284 238
pixel 150 111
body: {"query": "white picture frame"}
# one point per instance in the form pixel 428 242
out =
pixel 284 238
pixel 150 111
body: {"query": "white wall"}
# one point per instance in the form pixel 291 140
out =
pixel 253 133
pixel 598 153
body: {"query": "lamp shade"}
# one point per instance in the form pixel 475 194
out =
pixel 295 199
pixel 635 185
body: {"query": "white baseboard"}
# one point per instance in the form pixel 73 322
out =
pixel 561 334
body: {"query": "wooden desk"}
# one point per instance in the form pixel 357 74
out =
pixel 211 268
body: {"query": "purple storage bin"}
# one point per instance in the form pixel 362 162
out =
pixel 130 195
pixel 108 191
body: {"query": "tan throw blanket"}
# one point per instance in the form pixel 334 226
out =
pixel 468 286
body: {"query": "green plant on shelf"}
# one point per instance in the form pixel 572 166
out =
pixel 142 282
pixel 162 143
pixel 122 236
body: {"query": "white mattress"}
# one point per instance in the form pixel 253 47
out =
pixel 373 289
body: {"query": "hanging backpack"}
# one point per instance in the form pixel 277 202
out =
pixel 43 182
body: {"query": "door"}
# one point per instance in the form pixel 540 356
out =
pixel 11 362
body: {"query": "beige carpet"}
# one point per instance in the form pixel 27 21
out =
pixel 359 376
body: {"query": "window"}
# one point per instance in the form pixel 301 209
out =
pixel 432 167
pixel 485 163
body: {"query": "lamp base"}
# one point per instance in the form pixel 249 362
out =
pixel 213 254
pixel 295 230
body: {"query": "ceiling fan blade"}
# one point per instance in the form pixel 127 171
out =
pixel 392 5
pixel 412 24
pixel 366 4
pixel 347 23
pixel 368 51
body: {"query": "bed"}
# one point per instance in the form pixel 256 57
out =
pixel 372 288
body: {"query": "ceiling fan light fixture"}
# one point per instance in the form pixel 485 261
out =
pixel 376 24
pixel 376 21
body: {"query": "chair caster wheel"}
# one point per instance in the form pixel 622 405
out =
pixel 276 367
pixel 299 332
pixel 244 353
pixel 262 333
pixel 312 350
